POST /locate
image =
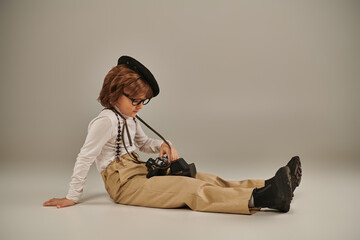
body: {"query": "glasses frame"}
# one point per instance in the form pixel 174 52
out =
pixel 143 101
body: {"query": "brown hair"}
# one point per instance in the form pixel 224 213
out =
pixel 119 79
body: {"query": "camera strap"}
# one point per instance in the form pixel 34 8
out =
pixel 162 138
pixel 125 127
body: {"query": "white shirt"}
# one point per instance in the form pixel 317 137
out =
pixel 100 146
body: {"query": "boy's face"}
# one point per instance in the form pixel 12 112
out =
pixel 126 107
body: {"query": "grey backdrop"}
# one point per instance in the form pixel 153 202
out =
pixel 244 85
pixel 239 80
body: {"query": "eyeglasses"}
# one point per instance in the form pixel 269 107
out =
pixel 136 102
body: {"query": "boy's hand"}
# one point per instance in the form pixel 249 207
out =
pixel 165 149
pixel 59 202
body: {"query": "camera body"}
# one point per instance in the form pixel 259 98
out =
pixel 161 167
pixel 158 166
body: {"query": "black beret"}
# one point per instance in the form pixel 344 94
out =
pixel 140 69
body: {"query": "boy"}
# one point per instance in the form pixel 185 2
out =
pixel 126 89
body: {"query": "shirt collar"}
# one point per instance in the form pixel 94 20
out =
pixel 125 116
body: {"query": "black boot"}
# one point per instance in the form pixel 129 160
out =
pixel 295 172
pixel 277 194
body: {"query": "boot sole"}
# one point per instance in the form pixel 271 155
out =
pixel 295 171
pixel 283 184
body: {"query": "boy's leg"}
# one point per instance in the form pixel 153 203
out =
pixel 178 191
pixel 213 179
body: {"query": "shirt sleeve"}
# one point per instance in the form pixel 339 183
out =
pixel 144 143
pixel 99 132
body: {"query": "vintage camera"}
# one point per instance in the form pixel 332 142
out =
pixel 158 166
pixel 161 167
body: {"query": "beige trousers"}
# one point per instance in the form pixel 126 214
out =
pixel 126 183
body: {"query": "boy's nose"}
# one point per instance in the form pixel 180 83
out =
pixel 140 106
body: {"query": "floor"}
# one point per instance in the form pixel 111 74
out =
pixel 325 207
